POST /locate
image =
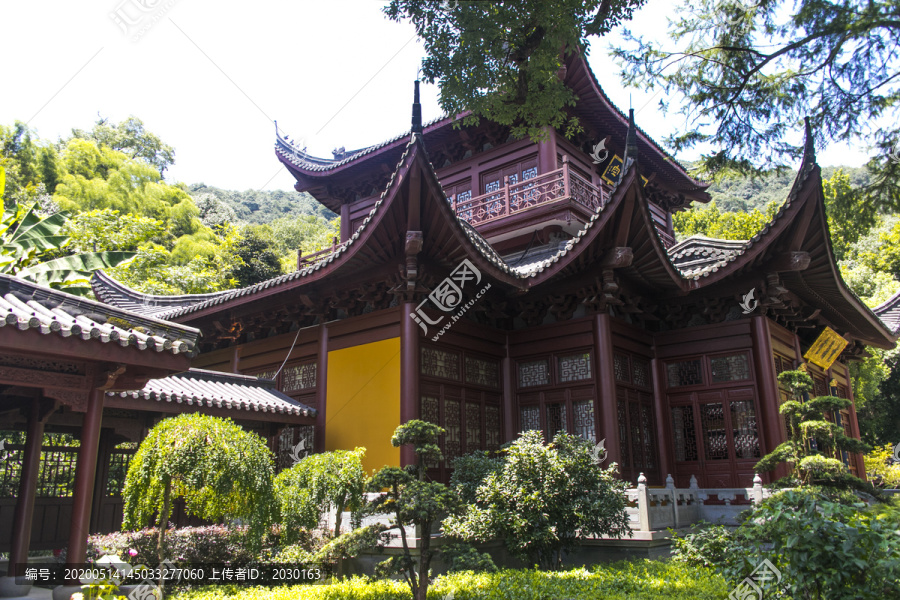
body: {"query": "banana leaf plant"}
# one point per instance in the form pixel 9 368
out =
pixel 32 248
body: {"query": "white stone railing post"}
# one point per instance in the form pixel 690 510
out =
pixel 757 489
pixel 670 486
pixel 643 503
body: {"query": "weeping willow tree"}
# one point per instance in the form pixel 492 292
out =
pixel 220 470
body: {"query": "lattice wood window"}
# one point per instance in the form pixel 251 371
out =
pixel 574 367
pixel 491 428
pixel 820 385
pixel 637 447
pixel 622 418
pixel 684 433
pixel 452 438
pixel 782 363
pixel 119 460
pixel 744 429
pixel 729 368
pixel 299 377
pixel 620 367
pixel 473 427
pixel 640 370
pixel 480 371
pixel 439 363
pixel 270 374
pixel 556 418
pixel 431 409
pixel 649 437
pixel 686 372
pixel 534 372
pixel 844 421
pixel 712 422
pixel 583 413
pixel 294 443
pixel 529 418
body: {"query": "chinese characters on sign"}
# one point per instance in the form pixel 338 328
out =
pixel 613 170
pixel 825 350
pixel 448 296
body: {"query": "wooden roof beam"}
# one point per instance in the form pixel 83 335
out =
pixel 792 260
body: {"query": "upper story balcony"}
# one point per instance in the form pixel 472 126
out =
pixel 563 187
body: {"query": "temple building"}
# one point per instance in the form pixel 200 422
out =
pixel 494 285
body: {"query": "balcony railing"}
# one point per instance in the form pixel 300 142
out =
pixel 310 259
pixel 558 185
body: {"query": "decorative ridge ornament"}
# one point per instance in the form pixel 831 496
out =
pixel 809 146
pixel 416 111
pixel 631 148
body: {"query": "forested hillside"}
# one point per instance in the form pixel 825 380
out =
pixel 107 183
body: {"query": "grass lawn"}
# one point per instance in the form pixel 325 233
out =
pixel 627 580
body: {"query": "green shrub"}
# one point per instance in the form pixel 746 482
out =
pixel 544 499
pixel 210 544
pixel 707 547
pixel 824 548
pixel 464 557
pixel 470 470
pixel 638 580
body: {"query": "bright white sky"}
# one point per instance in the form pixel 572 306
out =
pixel 209 78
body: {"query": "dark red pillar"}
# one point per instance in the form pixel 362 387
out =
pixel 321 388
pixel 510 409
pixel 409 375
pixel 606 389
pixel 21 527
pixel 771 432
pixel 85 473
pixel 664 445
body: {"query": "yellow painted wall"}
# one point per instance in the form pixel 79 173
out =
pixel 363 401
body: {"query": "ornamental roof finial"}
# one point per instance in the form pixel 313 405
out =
pixel 631 148
pixel 809 146
pixel 416 111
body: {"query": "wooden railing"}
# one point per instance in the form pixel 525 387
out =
pixel 561 184
pixel 309 259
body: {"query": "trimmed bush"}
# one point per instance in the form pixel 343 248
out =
pixel 210 544
pixel 638 580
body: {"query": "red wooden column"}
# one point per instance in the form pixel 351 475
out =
pixel 85 472
pixel 507 366
pixel 21 527
pixel 321 388
pixel 664 444
pixel 409 375
pixel 854 430
pixel 770 429
pixel 606 389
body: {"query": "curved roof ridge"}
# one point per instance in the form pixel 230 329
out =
pixel 304 160
pixel 700 185
pixel 115 293
pixel 889 313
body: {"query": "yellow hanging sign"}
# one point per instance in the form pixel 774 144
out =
pixel 826 349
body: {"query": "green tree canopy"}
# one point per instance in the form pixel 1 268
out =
pixel 502 60
pixel 318 482
pixel 218 468
pixel 132 139
pixel 745 73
